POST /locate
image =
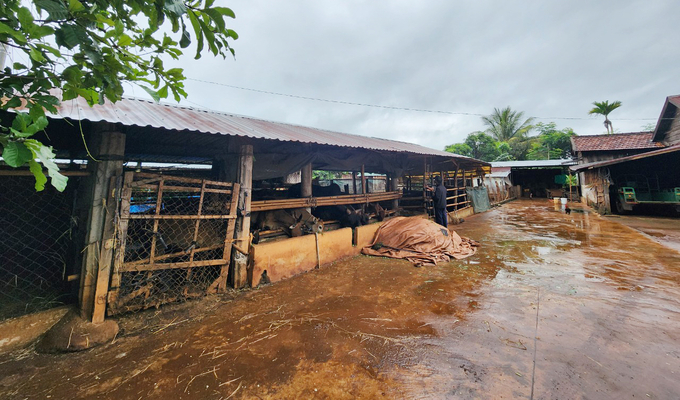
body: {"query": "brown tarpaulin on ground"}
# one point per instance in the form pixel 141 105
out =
pixel 421 241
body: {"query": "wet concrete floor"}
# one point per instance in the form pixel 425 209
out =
pixel 553 306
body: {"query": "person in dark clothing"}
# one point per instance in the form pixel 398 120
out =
pixel 439 202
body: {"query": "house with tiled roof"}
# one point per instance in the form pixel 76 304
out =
pixel 651 160
pixel 608 147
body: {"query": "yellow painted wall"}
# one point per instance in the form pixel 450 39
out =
pixel 285 258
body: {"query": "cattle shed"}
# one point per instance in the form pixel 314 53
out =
pixel 533 178
pixel 160 199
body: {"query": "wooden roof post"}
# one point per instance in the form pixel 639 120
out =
pixel 108 146
pixel 363 179
pixel 392 181
pixel 354 182
pixel 239 261
pixel 306 182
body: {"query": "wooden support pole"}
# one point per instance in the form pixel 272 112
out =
pixel 108 147
pixel 363 179
pixel 425 183
pixel 354 182
pixel 392 187
pixel 239 261
pixel 306 179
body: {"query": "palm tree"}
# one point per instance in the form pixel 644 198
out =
pixel 604 108
pixel 506 124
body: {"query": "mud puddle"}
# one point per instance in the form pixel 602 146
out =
pixel 554 305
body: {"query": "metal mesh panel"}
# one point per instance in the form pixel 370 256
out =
pixel 37 245
pixel 175 246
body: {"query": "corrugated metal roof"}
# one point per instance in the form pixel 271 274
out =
pixel 145 113
pixel 598 164
pixel 617 141
pixel 532 163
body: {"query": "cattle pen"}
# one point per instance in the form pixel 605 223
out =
pixel 160 211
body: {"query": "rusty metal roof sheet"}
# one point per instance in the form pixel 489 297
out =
pixel 145 113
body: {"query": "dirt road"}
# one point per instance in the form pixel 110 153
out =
pixel 553 306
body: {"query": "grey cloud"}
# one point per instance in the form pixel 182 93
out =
pixel 548 59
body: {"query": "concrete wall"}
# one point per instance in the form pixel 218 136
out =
pixel 283 259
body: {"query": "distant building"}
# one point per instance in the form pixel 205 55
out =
pixel 648 162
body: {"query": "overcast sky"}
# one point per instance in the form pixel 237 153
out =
pixel 550 59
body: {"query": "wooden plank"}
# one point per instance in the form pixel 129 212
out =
pixel 184 179
pixel 183 264
pixel 169 188
pixel 239 262
pixel 106 251
pixel 221 282
pixel 265 205
pixel 121 238
pixel 197 223
pixel 182 217
pixel 173 255
pixel 159 206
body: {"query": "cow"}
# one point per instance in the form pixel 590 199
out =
pixel 345 214
pixel 294 222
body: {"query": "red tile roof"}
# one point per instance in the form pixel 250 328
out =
pixel 616 141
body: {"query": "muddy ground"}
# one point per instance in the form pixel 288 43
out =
pixel 553 306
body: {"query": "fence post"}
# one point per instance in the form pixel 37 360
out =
pixel 239 261
pixel 108 146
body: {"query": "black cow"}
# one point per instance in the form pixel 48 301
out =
pixel 294 222
pixel 345 214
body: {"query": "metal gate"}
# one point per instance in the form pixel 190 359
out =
pixel 174 237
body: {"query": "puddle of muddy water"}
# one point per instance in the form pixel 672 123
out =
pixel 594 302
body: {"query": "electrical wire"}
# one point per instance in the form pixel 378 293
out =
pixel 387 107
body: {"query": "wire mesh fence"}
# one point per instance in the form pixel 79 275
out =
pixel 37 246
pixel 175 240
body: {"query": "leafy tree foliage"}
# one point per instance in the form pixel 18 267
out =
pixel 89 48
pixel 507 124
pixel 477 145
pixel 551 143
pixel 604 108
pixel 461 149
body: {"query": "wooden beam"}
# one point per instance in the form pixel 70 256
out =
pixel 106 251
pixel 108 146
pixel 363 179
pixel 239 262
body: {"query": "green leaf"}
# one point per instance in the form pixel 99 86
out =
pixel 217 17
pixel 40 178
pixel 75 6
pixel 36 55
pixel 176 7
pixel 16 154
pixel 12 103
pixel 21 122
pixel 46 155
pixel 56 9
pixel 152 93
pixel 67 36
pixel 124 40
pixel 227 12
pixel 185 40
